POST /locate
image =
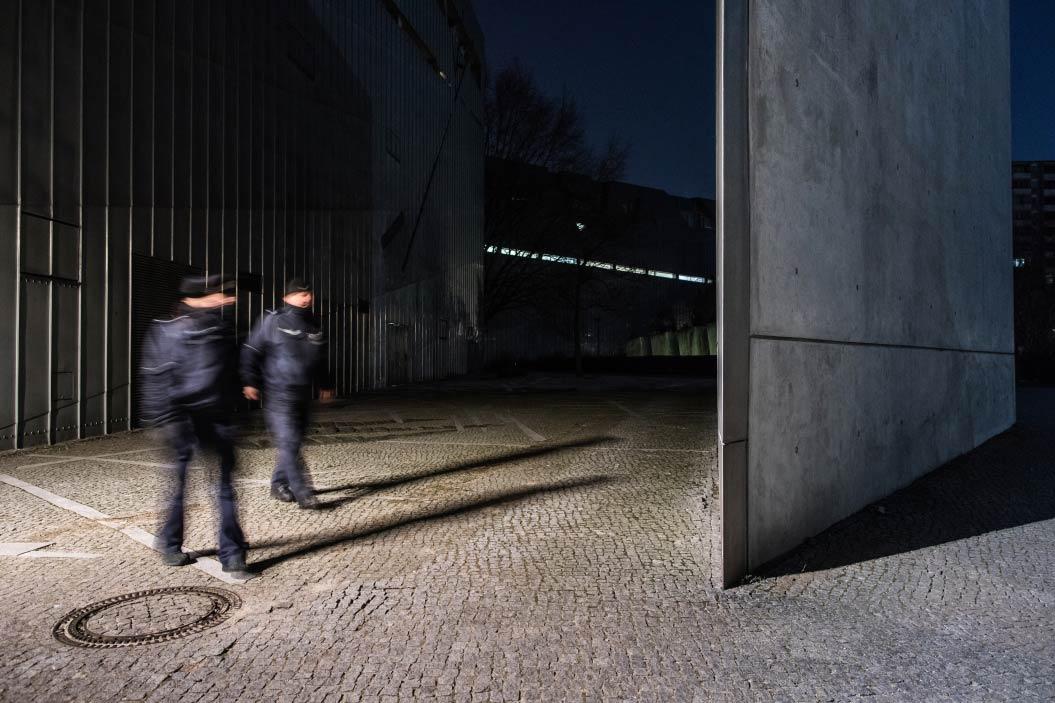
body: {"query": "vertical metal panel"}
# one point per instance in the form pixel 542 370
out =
pixel 34 374
pixel 8 300
pixel 118 250
pixel 118 369
pixel 36 107
pixel 164 64
pixel 95 97
pixel 9 56
pixel 142 166
pixel 67 119
pixel 182 120
pixel 120 113
pixel 199 172
pixel 248 137
pixel 93 319
pixel 65 251
pixel 65 374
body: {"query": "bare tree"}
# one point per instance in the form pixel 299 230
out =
pixel 543 180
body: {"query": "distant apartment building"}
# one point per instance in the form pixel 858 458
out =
pixel 632 266
pixel 1033 189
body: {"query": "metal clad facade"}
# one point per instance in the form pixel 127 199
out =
pixel 262 139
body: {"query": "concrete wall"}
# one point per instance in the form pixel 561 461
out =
pixel 870 180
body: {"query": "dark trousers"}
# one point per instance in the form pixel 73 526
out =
pixel 206 430
pixel 288 414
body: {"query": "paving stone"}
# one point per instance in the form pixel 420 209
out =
pixel 484 564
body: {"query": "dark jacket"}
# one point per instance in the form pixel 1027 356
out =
pixel 286 350
pixel 188 363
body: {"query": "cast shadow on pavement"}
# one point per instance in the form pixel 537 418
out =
pixel 478 501
pixel 1007 482
pixel 321 439
pixel 364 487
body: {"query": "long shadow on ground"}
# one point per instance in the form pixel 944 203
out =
pixel 482 462
pixel 476 502
pixel 1007 482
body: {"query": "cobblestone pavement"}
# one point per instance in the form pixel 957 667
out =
pixel 531 541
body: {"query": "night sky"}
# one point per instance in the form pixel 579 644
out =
pixel 645 71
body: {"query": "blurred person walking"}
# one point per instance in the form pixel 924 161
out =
pixel 189 383
pixel 283 358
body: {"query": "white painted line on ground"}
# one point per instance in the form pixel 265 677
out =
pixel 204 564
pixel 58 554
pixel 531 434
pixel 64 503
pixel 395 416
pixel 107 460
pixel 626 410
pixel 137 534
pixel 80 458
pixel 14 549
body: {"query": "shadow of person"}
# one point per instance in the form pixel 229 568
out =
pixel 1007 482
pixel 458 506
pixel 364 487
pixel 264 441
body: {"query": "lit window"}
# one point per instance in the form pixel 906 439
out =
pixel 557 259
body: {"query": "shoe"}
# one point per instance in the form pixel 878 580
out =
pixel 176 559
pixel 308 502
pixel 234 564
pixel 282 493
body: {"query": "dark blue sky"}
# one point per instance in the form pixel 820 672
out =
pixel 645 71
pixel 642 70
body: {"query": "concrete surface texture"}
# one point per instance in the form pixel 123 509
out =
pixel 531 540
pixel 880 252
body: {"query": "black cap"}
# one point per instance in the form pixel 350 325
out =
pixel 297 285
pixel 199 286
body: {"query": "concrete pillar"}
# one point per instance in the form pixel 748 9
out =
pixel 865 312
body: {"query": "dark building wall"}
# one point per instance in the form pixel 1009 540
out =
pixel 637 242
pixel 258 138
pixel 1033 209
pixel 1033 212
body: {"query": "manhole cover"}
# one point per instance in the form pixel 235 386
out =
pixel 146 617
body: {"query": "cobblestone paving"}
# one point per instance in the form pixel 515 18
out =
pixel 531 541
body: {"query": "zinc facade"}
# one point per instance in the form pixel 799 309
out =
pixel 142 140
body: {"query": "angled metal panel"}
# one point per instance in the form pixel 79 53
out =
pixel 35 245
pixel 65 372
pixel 35 372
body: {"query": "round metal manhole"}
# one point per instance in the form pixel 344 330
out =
pixel 146 617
